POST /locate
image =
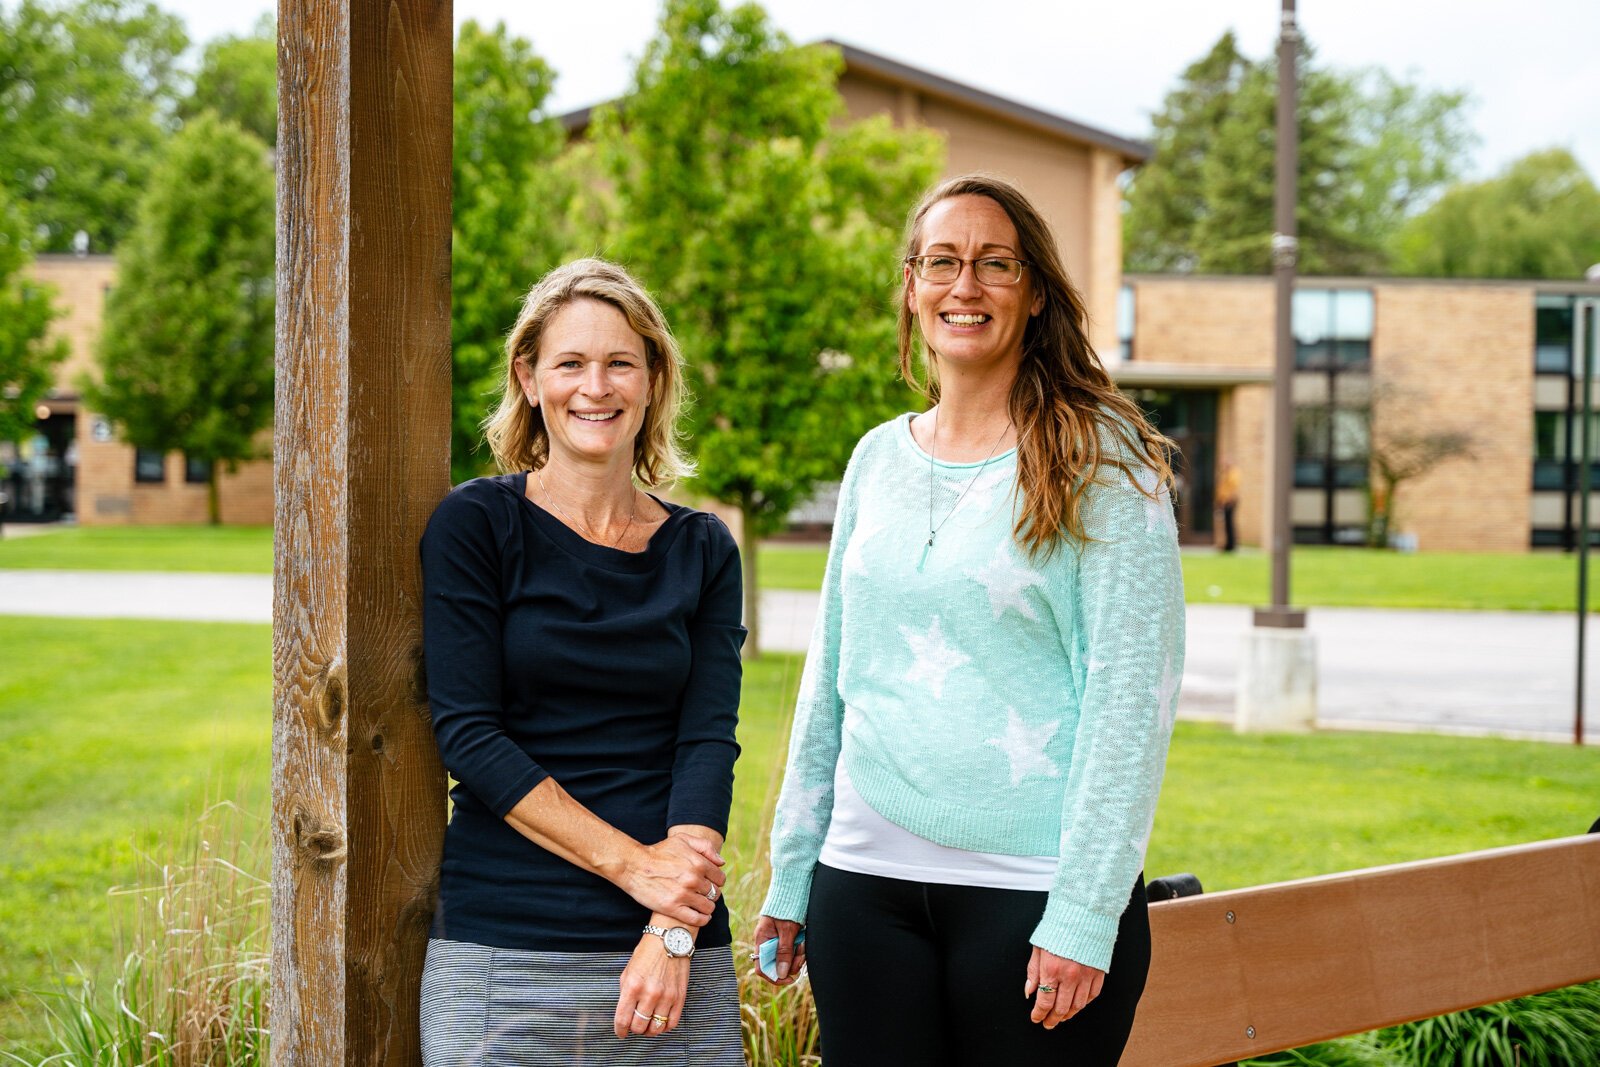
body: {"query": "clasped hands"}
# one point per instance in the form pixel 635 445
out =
pixel 679 879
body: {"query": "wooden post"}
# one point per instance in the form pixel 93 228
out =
pixel 361 456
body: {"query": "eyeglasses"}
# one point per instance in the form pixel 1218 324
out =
pixel 989 270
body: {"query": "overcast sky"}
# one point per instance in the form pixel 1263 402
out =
pixel 1531 66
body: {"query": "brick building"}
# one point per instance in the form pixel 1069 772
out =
pixel 1494 360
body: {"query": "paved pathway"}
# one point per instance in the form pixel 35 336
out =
pixel 1507 673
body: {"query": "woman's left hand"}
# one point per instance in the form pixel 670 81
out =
pixel 1060 987
pixel 653 988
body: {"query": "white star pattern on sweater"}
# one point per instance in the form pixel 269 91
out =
pixel 980 495
pixel 934 658
pixel 1024 747
pixel 1166 694
pixel 854 561
pixel 800 803
pixel 1005 579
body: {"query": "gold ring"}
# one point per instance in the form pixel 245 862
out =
pixel 659 1020
pixel 1047 989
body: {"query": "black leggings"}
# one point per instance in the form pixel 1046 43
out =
pixel 928 974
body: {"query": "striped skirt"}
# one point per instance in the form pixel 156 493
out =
pixel 498 1007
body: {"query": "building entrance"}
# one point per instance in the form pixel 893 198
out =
pixel 1189 417
pixel 37 474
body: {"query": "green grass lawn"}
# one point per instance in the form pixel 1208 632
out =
pixel 1329 577
pixel 1335 577
pixel 225 549
pixel 117 735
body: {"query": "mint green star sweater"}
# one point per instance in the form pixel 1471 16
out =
pixel 996 703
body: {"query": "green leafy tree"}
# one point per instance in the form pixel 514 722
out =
pixel 1539 218
pixel 186 353
pixel 1371 150
pixel 238 79
pixel 771 233
pixel 507 216
pixel 27 356
pixel 87 98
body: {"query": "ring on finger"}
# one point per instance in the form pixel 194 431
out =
pixel 711 894
pixel 659 1020
pixel 1047 989
pixel 642 1015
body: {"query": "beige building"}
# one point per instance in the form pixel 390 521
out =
pixel 1376 359
pixel 75 466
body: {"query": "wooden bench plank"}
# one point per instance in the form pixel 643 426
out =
pixel 1317 958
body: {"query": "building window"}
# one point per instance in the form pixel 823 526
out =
pixel 196 471
pixel 149 465
pixel 1552 334
pixel 1556 449
pixel 1332 328
pixel 1125 308
pixel 1332 448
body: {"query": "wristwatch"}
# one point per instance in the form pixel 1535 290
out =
pixel 679 942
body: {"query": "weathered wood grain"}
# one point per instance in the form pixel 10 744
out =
pixel 361 450
pixel 1252 971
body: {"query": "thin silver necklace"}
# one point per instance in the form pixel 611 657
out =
pixel 584 528
pixel 933 447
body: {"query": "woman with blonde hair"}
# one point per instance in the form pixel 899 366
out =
pixel 582 644
pixel 983 722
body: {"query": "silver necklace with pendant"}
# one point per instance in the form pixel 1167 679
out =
pixel 933 447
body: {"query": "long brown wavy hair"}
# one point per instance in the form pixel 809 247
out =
pixel 1064 406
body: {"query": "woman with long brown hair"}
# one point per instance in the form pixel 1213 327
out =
pixel 983 723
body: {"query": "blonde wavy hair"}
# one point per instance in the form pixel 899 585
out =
pixel 1063 403
pixel 516 430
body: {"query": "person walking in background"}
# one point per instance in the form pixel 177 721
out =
pixel 983 721
pixel 1227 499
pixel 582 644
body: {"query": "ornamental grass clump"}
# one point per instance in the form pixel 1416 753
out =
pixel 193 935
pixel 780 1025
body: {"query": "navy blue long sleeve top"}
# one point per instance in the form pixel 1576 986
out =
pixel 615 673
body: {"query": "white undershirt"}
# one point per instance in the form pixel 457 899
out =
pixel 863 842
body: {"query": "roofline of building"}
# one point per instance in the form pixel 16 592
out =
pixel 1542 285
pixel 884 67
pixel 1133 152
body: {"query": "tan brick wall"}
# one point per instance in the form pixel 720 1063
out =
pixel 80 292
pixel 1461 357
pixel 1219 322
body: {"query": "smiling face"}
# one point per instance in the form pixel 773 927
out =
pixel 591 383
pixel 963 322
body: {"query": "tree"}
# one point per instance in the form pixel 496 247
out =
pixel 186 353
pixel 238 79
pixel 87 98
pixel 1539 218
pixel 507 216
pixel 1401 451
pixel 771 236
pixel 1371 149
pixel 27 356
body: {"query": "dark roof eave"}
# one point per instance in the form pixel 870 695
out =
pixel 1131 150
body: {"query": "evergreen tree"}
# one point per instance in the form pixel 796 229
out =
pixel 186 352
pixel 1371 150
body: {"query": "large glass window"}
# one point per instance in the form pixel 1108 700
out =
pixel 149 465
pixel 196 471
pixel 1553 443
pixel 1332 328
pixel 1332 447
pixel 1552 334
pixel 1125 307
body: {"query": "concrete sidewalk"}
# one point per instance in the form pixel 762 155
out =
pixel 1502 673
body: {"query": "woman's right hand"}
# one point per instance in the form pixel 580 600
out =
pixel 680 876
pixel 791 957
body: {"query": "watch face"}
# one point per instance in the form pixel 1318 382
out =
pixel 678 941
